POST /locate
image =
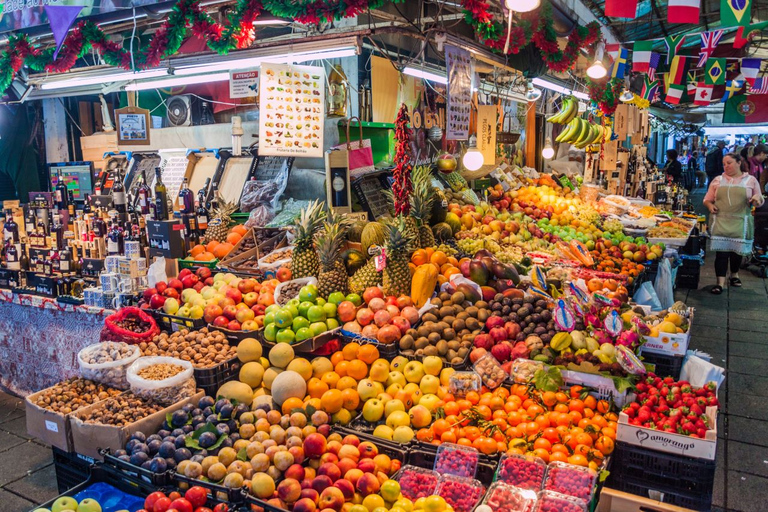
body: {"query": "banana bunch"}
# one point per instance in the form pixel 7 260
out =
pixel 581 133
pixel 569 109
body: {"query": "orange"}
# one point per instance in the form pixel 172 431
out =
pixel 350 399
pixel 605 445
pixel 239 229
pixel 206 256
pixel 368 353
pixel 473 397
pixel 198 249
pixel 350 351
pixel 316 387
pixel 439 258
pixel 292 403
pixel 448 437
pixel 331 379
pixel 332 401
pixel 212 245
pixel 342 368
pixel 543 444
pixel 542 454
pixel 549 398
pixel 578 460
pixel 337 357
pixel 576 405
pixel 419 257
pixel 603 406
pixel 558 457
pixel 430 251
pixel 314 402
pixel 233 238
pixel 222 250
pixel 346 382
pixel 357 369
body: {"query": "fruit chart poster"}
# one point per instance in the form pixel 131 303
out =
pixel 460 72
pixel 292 110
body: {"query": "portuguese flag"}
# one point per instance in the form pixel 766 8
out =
pixel 746 109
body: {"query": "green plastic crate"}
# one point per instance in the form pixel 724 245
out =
pixel 190 264
pixel 382 136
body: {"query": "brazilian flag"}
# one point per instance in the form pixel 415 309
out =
pixel 735 12
pixel 714 73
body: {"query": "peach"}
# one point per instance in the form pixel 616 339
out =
pixel 298 454
pixel 332 498
pixel 368 450
pixel 349 451
pixel 366 466
pixel 289 490
pixel 324 429
pixel 310 473
pixel 334 447
pixel 346 464
pixel 304 505
pixel 321 482
pixel 353 475
pixel 331 470
pixel 310 493
pixel 347 487
pixel 296 471
pixel 315 445
pixel 351 439
pixel 383 463
pixel 329 457
pixel 367 484
pixel 277 502
pixel 382 477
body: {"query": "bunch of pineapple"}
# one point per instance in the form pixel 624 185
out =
pixel 330 239
pixel 221 216
pixel 305 260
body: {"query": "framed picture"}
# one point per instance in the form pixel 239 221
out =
pixel 133 126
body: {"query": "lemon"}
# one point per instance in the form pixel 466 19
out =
pixel 373 501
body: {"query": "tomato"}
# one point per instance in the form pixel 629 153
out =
pixel 182 505
pixel 174 495
pixel 203 509
pixel 221 507
pixel 149 501
pixel 197 496
pixel 162 504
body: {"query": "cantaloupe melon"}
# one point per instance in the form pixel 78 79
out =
pixel 302 367
pixel 249 349
pixel 287 385
pixel 237 390
pixel 269 376
pixel 252 373
pixel 281 354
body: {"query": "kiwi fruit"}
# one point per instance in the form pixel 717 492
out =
pixel 457 360
pixel 441 326
pixel 434 337
pixel 444 296
pixel 430 351
pixel 472 311
pixel 462 352
pixel 412 332
pixel 449 334
pixel 452 354
pixel 457 298
pixel 424 329
pixel 472 324
pixel 421 343
pixel 453 345
pixel 442 347
pixel 483 315
pixel 406 342
pixel 449 320
pixel 481 304
pixel 429 317
pixel 458 324
pixel 445 311
pixel 462 316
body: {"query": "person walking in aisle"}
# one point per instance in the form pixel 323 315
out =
pixel 714 162
pixel 756 159
pixel 730 199
pixel 674 168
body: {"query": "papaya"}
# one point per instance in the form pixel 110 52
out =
pixel 423 284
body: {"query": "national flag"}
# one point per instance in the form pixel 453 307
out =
pixel 709 42
pixel 641 56
pixel 744 109
pixel 650 88
pixel 750 68
pixel 675 94
pixel 745 34
pixel 673 44
pixel 715 72
pixel 676 73
pixel 619 67
pixel 653 64
pixel 760 86
pixel 683 11
pixel 732 87
pixel 703 94
pixel 621 8
pixel 612 49
pixel 735 12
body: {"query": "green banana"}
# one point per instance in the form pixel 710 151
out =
pixel 566 133
pixel 572 111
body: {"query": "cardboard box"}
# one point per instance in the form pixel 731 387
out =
pixel 668 442
pixel 612 500
pixel 668 343
pixel 89 438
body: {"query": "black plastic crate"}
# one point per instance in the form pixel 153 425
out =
pixel 217 493
pixel 687 500
pixel 390 448
pixel 71 469
pixel 665 365
pixel 171 323
pixel 211 379
pixel 135 472
pixel 464 365
pixel 388 352
pixel 658 470
pixel 423 455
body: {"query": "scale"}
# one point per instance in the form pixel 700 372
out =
pixel 235 171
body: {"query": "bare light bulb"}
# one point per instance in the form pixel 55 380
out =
pixel 548 151
pixel 522 5
pixel 473 158
pixel 597 70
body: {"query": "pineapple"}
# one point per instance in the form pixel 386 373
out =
pixel 421 205
pixel 304 262
pixel 396 278
pixel 365 278
pixel 332 276
pixel 221 216
pixel 411 230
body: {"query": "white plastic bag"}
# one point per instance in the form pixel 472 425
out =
pixel 303 281
pixel 664 285
pixel 112 371
pixel 646 296
pixel 457 279
pixel 699 372
pixel 166 391
pixel 156 272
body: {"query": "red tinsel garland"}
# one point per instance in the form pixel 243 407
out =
pixel 401 187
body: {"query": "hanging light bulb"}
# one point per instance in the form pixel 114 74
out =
pixel 548 151
pixel 597 70
pixel 531 93
pixel 473 158
pixel 626 95
pixel 522 5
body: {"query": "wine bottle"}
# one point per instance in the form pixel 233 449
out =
pixel 10 228
pixel 186 199
pixel 60 193
pixel 161 197
pixel 202 212
pixel 143 194
pixel 118 194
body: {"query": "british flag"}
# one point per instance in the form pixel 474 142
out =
pixel 760 86
pixel 709 42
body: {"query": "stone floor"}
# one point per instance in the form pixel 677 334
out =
pixel 732 328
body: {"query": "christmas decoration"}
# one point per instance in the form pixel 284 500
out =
pixel 401 188
pixel 605 94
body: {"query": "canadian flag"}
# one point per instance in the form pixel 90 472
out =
pixel 703 94
pixel 683 11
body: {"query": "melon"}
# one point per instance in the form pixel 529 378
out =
pixel 373 234
pixel 353 260
pixel 269 377
pixel 442 231
pixel 355 231
pixel 288 384
pixel 249 349
pixel 237 390
pixel 453 220
pixel 252 373
pixel 281 354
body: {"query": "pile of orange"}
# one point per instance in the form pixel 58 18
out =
pixel 575 428
pixel 607 263
pixel 215 249
pixel 446 265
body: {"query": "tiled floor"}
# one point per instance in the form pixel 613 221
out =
pixel 732 328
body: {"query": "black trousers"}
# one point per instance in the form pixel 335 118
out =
pixel 722 258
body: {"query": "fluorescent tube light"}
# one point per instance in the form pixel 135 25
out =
pixel 559 88
pixel 103 78
pixel 254 62
pixel 177 82
pixel 426 75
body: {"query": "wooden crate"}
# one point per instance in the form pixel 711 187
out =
pixel 612 500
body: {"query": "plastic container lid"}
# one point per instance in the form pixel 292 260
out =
pixel 523 370
pixel 462 383
pixel 490 371
pixel 548 500
pixel 521 471
pixel 508 498
pixel 416 482
pixel 572 480
pixel 463 494
pixel 456 460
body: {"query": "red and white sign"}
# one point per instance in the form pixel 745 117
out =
pixel 244 84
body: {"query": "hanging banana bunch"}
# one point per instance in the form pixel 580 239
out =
pixel 581 133
pixel 569 109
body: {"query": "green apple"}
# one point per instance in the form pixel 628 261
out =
pixel 318 328
pixel 196 312
pixel 171 306
pixel 186 295
pixel 293 302
pixel 330 310
pixel 304 334
pixel 373 410
pixel 320 301
pixel 270 332
pixel 336 298
pixel 283 318
pixel 394 405
pixel 413 371
pixel 316 314
pixel 304 308
pixel 269 318
pixel 429 384
pixel 396 378
pixel 299 323
pixel 286 336
pixel 293 308
pixel 355 299
pixel 332 323
pixel 184 311
pixel 89 505
pixel 308 293
pixel 64 503
pixel 273 308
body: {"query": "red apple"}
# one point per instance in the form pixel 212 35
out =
pixel 259 309
pixel 246 285
pixel 211 311
pixel 208 281
pixel 171 292
pixel 189 281
pixel 226 301
pixel 250 298
pixel 161 286
pixel 199 286
pixel 184 272
pixel 221 321
pixel 235 295
pixel 176 283
pixel 148 293
pixel 244 315
pixel 233 325
pixel 203 273
pixel 157 301
pixel 230 312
